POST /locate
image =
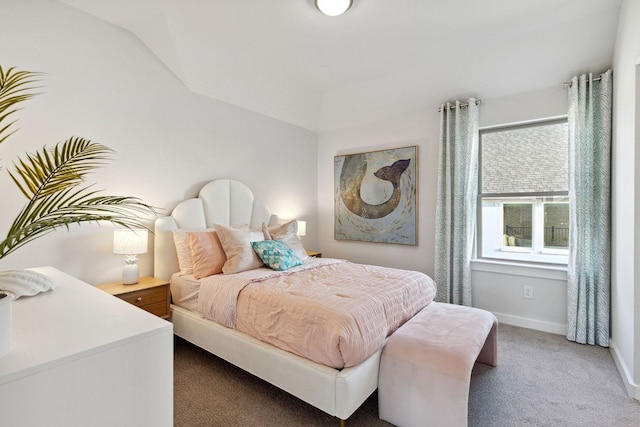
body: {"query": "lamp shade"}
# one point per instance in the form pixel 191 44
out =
pixel 302 228
pixel 130 241
pixel 333 7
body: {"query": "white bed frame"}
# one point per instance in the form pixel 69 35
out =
pixel 336 392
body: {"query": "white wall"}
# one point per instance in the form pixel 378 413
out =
pixel 103 84
pixel 498 290
pixel 419 128
pixel 625 304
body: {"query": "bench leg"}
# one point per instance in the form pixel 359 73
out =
pixel 489 353
pixel 421 396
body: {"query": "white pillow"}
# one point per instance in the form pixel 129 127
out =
pixel 288 234
pixel 237 247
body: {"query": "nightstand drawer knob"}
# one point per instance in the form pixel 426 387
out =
pixel 139 299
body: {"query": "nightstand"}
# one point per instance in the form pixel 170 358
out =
pixel 150 294
pixel 314 254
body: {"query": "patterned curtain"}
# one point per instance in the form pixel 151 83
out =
pixel 588 288
pixel 456 201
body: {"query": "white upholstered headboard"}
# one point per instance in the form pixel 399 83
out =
pixel 223 201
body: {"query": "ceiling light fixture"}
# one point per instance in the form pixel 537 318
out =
pixel 333 7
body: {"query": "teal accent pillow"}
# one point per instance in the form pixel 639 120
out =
pixel 276 254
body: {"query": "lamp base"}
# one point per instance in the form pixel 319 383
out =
pixel 130 274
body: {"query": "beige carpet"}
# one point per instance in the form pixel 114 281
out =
pixel 541 380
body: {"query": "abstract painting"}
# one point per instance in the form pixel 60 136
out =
pixel 375 196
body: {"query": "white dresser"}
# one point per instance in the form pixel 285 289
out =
pixel 81 357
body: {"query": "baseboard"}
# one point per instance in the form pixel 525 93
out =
pixel 632 389
pixel 538 325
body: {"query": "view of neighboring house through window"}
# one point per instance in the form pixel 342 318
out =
pixel 523 202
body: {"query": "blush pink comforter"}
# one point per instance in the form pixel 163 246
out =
pixel 333 312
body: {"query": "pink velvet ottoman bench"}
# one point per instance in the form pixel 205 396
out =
pixel 426 365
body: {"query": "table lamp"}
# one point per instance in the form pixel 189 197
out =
pixel 130 242
pixel 302 228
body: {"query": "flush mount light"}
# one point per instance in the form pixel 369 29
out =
pixel 333 7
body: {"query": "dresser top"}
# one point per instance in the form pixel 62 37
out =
pixel 73 321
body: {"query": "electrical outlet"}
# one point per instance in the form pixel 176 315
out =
pixel 527 292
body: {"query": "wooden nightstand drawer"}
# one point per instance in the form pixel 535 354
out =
pixel 157 308
pixel 150 294
pixel 146 297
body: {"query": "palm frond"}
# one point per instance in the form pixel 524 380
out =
pixel 72 206
pixel 15 88
pixel 50 179
pixel 51 171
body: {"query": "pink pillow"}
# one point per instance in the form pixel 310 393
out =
pixel 287 233
pixel 207 254
pixel 183 249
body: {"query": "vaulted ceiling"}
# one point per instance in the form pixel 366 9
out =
pixel 284 59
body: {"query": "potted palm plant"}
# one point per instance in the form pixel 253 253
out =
pixel 53 180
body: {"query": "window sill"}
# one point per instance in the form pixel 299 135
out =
pixel 516 249
pixel 526 256
pixel 542 271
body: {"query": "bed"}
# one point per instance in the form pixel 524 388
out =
pixel 338 391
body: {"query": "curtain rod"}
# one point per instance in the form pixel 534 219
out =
pixel 466 104
pixel 593 79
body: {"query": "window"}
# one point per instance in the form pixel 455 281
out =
pixel 523 203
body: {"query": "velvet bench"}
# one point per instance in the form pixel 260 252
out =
pixel 426 365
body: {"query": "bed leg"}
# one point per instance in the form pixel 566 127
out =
pixel 341 423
